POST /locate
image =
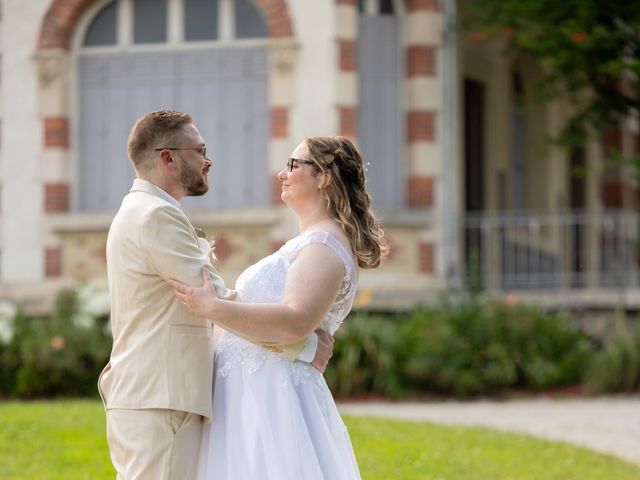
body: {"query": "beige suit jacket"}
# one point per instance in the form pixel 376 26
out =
pixel 162 356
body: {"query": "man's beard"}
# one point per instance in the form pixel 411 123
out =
pixel 193 183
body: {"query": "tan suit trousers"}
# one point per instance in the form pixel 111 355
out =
pixel 154 444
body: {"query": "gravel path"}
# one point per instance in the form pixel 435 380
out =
pixel 607 424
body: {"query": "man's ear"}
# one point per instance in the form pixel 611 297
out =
pixel 166 158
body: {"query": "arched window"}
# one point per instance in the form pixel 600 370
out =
pixel 206 57
pixel 102 30
pixel 380 125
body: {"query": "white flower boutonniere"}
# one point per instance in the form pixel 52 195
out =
pixel 207 246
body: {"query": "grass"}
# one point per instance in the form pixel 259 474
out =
pixel 65 440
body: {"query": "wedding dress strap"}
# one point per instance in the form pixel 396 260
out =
pixel 328 239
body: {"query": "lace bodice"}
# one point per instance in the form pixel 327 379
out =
pixel 264 282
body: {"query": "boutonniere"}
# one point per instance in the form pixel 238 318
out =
pixel 200 233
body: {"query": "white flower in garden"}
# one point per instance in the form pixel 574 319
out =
pixel 83 320
pixel 8 312
pixel 93 301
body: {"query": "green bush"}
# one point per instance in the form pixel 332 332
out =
pixel 463 348
pixel 472 347
pixel 616 368
pixel 58 355
pixel 366 357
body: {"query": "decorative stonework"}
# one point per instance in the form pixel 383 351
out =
pixel 59 22
pixel 283 55
pixel 50 64
pixel 277 15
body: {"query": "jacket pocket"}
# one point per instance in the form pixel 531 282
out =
pixel 192 352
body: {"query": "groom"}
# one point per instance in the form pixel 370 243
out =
pixel 156 387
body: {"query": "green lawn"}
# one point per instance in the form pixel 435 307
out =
pixel 65 440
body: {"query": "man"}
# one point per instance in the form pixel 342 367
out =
pixel 156 387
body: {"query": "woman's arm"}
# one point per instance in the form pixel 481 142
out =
pixel 312 284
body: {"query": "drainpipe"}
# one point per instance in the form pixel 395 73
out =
pixel 449 191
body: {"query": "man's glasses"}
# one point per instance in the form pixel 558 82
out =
pixel 201 150
pixel 291 161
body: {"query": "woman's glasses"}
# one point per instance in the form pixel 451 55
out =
pixel 292 161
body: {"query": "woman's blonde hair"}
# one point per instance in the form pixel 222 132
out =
pixel 348 201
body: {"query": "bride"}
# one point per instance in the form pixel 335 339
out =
pixel 274 419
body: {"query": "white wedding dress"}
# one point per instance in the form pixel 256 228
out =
pixel 274 419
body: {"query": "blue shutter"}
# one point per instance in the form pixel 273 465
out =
pixel 380 109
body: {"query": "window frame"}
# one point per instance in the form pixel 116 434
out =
pixel 175 28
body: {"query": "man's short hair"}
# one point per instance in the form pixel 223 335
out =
pixel 154 130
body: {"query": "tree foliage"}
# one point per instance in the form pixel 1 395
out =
pixel 587 51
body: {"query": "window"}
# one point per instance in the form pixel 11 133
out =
pixel 122 74
pixel 149 21
pixel 153 22
pixel 201 19
pixel 376 7
pixel 249 22
pixel 102 31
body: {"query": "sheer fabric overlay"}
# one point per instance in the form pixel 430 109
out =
pixel 274 419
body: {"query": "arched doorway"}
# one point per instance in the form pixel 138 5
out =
pixel 208 57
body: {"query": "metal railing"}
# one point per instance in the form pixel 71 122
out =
pixel 531 252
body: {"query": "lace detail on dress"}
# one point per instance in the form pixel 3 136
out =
pixel 264 282
pixel 344 301
pixel 235 352
pixel 232 350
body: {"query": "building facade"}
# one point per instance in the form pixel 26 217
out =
pixel 433 113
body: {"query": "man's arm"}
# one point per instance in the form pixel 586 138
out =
pixel 306 300
pixel 324 350
pixel 174 251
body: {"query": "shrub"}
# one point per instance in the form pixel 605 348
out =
pixel 616 368
pixel 463 348
pixel 470 347
pixel 60 355
pixel 366 357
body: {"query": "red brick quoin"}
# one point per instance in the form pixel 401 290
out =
pixel 279 122
pixel 426 256
pixel 56 132
pixel 418 5
pixel 420 191
pixel 56 197
pixel 52 262
pixel 421 60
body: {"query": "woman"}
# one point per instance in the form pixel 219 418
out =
pixel 275 419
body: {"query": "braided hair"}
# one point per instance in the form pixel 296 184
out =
pixel 348 201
